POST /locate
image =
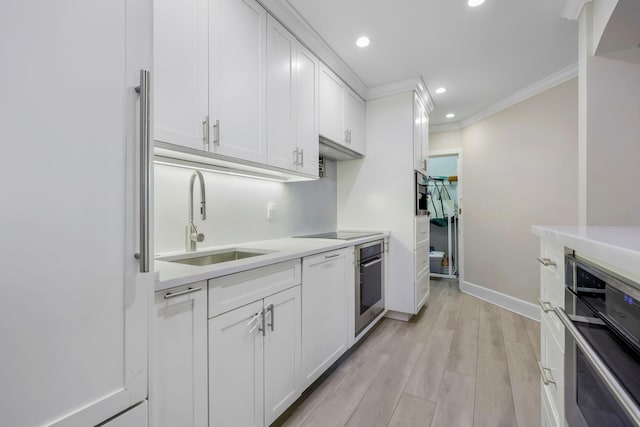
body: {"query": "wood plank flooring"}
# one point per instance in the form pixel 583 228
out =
pixel 460 362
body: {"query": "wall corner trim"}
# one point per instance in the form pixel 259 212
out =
pixel 573 9
pixel 516 305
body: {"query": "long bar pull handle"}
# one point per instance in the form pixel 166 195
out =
pixel 545 305
pixel 546 262
pixel 331 256
pixel 374 262
pixel 302 158
pixel 296 153
pixel 216 133
pixel 253 320
pixel 205 132
pixel 145 169
pixel 271 313
pixel 618 391
pixel 543 373
pixel 185 292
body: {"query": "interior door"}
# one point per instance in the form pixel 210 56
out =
pixel 73 318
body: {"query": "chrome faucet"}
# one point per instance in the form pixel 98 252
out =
pixel 192 232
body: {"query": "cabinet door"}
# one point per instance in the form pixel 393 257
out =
pixel 74 322
pixel 236 368
pixel 418 120
pixel 306 110
pixel 354 120
pixel 281 352
pixel 181 72
pixel 281 51
pixel 324 311
pixel 424 140
pixel 179 396
pixel 331 114
pixel 238 79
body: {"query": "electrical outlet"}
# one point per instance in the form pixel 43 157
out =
pixel 271 210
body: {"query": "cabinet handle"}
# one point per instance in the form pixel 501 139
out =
pixel 185 292
pixel 545 306
pixel 145 170
pixel 216 133
pixel 297 155
pixel 205 133
pixel 270 312
pixel 369 264
pixel 301 158
pixel 543 374
pixel 256 323
pixel 346 136
pixel 546 262
pixel 331 256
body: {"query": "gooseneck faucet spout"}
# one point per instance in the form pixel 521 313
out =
pixel 192 232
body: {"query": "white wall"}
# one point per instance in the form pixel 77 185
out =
pixel 610 137
pixel 237 208
pixel 520 167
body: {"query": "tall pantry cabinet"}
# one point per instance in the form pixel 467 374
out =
pixel 74 310
pixel 380 193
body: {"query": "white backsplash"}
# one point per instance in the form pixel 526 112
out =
pixel 237 208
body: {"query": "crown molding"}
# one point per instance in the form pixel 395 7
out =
pixel 416 84
pixel 573 9
pixel 289 17
pixel 537 88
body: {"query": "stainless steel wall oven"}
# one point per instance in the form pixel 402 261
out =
pixel 602 346
pixel 369 283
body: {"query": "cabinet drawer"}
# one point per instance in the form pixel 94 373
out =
pixel 422 290
pixel 235 290
pixel 554 253
pixel 422 260
pixel 552 358
pixel 422 231
pixel 549 293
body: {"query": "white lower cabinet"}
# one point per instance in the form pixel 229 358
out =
pixel 254 349
pixel 327 291
pixel 179 362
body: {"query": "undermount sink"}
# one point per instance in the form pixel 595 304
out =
pixel 213 258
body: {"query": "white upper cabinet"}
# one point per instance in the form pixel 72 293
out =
pixel 354 119
pixel 181 78
pixel 420 136
pixel 331 114
pixel 306 109
pixel 342 112
pixel 237 84
pixel 281 52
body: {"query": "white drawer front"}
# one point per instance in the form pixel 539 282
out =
pixel 422 231
pixel 553 254
pixel 549 293
pixel 552 358
pixel 235 290
pixel 422 261
pixel 422 290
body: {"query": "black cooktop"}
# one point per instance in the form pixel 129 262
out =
pixel 341 235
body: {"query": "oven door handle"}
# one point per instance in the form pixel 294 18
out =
pixel 617 390
pixel 369 264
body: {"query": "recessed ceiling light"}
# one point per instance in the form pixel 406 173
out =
pixel 441 90
pixel 363 41
pixel 475 3
pixel 450 116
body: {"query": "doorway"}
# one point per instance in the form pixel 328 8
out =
pixel 445 207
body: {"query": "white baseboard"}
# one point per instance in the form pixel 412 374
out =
pixel 521 307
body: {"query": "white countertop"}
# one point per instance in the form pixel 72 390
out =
pixel 617 246
pixel 172 274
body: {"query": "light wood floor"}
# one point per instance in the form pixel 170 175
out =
pixel 460 362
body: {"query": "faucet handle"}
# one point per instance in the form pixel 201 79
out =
pixel 197 237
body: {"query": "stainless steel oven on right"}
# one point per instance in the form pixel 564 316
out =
pixel 602 342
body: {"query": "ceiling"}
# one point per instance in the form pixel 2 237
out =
pixel 481 55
